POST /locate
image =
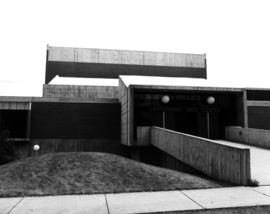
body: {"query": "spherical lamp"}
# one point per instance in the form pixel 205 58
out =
pixel 36 147
pixel 210 100
pixel 165 99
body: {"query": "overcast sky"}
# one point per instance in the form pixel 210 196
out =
pixel 234 34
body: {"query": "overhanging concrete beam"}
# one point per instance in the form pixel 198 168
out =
pixel 102 63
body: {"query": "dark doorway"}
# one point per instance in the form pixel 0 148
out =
pixel 15 121
pixel 187 112
pixel 186 122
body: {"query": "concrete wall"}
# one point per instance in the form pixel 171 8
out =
pixel 75 91
pixel 255 137
pixel 222 162
pixel 143 136
pixel 126 100
pixel 123 97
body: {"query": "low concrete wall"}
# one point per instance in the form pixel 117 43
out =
pixel 222 162
pixel 255 137
pixel 143 136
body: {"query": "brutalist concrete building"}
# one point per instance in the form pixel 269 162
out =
pixel 117 119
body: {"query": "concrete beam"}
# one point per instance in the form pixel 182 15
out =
pixel 104 63
pixel 78 91
pixel 258 103
pixel 88 55
pixel 5 101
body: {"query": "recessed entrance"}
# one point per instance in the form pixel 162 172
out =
pixel 16 122
pixel 187 112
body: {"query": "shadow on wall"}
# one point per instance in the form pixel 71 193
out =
pixel 7 149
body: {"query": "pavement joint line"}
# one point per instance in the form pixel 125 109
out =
pixel 12 208
pixel 107 205
pixel 260 192
pixel 193 200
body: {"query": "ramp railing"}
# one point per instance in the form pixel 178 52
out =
pixel 216 160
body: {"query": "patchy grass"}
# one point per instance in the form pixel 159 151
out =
pixel 88 173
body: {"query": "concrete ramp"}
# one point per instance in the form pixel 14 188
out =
pixel 259 161
pixel 219 160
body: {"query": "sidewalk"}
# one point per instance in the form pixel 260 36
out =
pixel 219 200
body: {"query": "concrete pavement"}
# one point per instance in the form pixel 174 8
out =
pixel 216 200
pixel 259 161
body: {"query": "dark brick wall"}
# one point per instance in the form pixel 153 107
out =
pixel 259 117
pixel 75 121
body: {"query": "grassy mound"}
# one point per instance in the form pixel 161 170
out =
pixel 88 173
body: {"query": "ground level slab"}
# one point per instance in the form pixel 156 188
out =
pixel 149 202
pixel 7 204
pixel 81 204
pixel 201 201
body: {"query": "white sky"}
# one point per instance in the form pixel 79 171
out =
pixel 234 34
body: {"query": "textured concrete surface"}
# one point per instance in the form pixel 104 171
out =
pixel 253 137
pixel 62 204
pixel 88 55
pixel 80 92
pixel 149 202
pixel 105 63
pixel 228 197
pixel 243 200
pixel 7 204
pixel 259 161
pixel 222 162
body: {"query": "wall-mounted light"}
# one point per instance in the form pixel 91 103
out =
pixel 36 148
pixel 165 99
pixel 210 100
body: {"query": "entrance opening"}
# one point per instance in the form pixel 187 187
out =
pixel 187 112
pixel 15 121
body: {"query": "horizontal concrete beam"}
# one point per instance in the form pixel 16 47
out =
pixel 101 63
pixel 126 57
pixel 255 137
pixel 219 161
pixel 27 100
pixel 258 103
pixel 75 91
pixel 15 106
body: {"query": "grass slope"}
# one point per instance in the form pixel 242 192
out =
pixel 89 172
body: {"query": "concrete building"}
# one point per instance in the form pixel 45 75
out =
pixel 117 119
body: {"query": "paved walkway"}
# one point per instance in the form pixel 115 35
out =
pixel 143 202
pixel 259 161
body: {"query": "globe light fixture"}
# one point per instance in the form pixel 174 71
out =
pixel 36 147
pixel 210 100
pixel 165 99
